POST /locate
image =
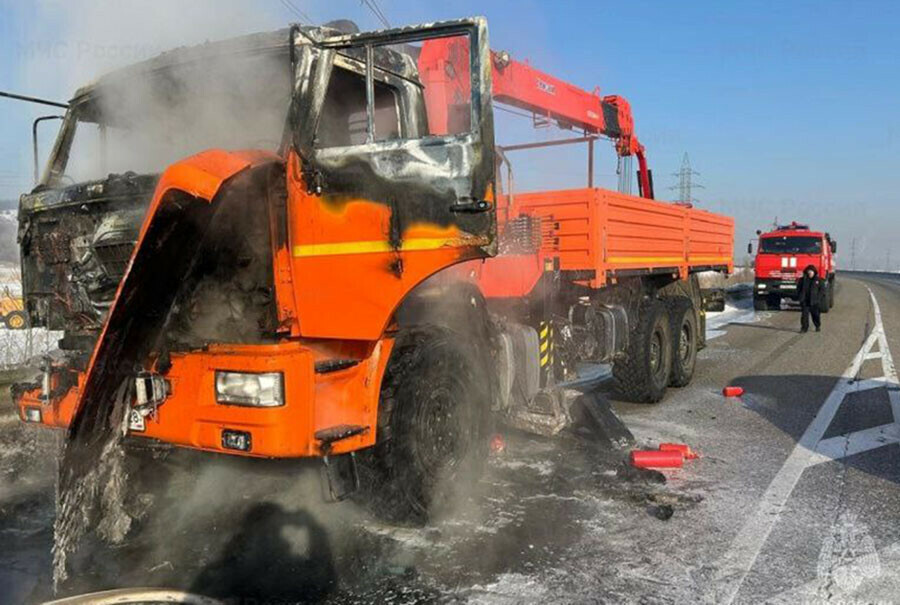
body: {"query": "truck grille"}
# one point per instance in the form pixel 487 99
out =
pixel 113 257
pixel 522 235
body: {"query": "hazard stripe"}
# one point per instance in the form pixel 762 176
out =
pixel 544 346
pixel 375 246
pixel 544 331
pixel 545 359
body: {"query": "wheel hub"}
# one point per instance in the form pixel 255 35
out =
pixel 684 343
pixel 655 352
pixel 439 428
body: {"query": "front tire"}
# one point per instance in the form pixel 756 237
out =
pixel 827 298
pixel 643 375
pixel 760 303
pixel 684 341
pixel 433 425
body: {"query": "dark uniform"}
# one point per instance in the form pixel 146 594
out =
pixel 810 291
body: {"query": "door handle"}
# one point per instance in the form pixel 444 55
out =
pixel 470 205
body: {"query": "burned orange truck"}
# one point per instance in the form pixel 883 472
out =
pixel 347 271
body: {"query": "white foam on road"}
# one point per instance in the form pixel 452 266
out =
pixel 737 311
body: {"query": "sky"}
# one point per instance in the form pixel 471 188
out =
pixel 788 110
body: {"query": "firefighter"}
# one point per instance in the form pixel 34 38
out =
pixel 810 290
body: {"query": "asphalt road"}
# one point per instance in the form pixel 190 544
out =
pixel 781 507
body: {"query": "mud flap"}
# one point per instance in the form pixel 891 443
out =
pixel 587 416
pixel 594 420
pixel 340 476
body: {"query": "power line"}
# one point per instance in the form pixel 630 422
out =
pixel 376 10
pixel 299 13
pixel 521 114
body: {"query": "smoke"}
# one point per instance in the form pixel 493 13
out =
pixel 68 44
pixel 153 117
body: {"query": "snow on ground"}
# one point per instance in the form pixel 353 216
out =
pixel 737 310
pixel 17 347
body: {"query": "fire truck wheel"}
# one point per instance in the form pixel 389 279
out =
pixel 760 303
pixel 15 320
pixel 433 425
pixel 684 340
pixel 643 375
pixel 827 297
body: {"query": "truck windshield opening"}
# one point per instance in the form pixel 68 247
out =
pixel 791 245
pixel 145 121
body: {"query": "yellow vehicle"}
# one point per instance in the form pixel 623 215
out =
pixel 12 311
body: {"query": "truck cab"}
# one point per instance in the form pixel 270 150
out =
pixel 781 256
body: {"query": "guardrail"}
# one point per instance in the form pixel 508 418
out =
pixel 876 274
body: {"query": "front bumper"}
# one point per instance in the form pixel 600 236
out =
pixel 318 404
pixel 783 288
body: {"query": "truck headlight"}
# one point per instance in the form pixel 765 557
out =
pixel 256 390
pixel 761 286
pixel 32 414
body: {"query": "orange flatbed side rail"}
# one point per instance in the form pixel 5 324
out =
pixel 609 232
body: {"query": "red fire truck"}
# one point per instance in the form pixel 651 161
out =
pixel 781 256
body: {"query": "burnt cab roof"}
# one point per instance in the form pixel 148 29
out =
pixel 261 43
pixel 249 44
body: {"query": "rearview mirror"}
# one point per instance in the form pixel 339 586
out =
pixel 750 248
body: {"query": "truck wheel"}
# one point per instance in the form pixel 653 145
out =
pixel 760 303
pixel 433 425
pixel 684 341
pixel 774 302
pixel 16 320
pixel 827 298
pixel 643 375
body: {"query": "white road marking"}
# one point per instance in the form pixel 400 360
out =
pixel 811 449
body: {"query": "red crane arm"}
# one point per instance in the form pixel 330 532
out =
pixel 518 84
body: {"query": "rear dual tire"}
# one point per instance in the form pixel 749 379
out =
pixel 643 374
pixel 685 341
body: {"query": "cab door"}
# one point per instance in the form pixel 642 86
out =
pixel 391 175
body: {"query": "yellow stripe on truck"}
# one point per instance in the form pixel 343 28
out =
pixel 665 259
pixel 375 246
pixel 645 259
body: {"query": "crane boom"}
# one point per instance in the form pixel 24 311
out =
pixel 518 84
